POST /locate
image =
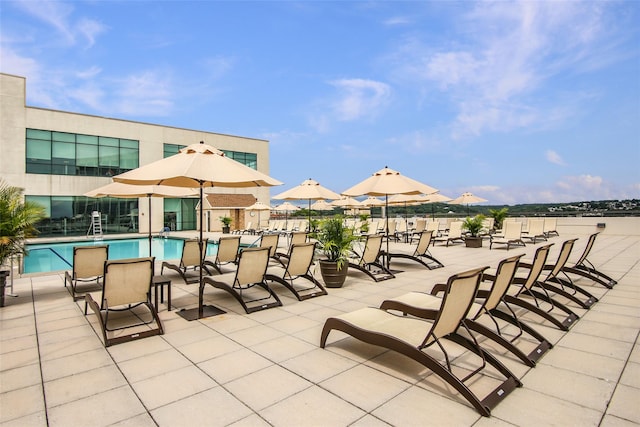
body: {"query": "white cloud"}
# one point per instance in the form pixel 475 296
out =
pixel 397 20
pixel 507 52
pixel 555 158
pixel 359 98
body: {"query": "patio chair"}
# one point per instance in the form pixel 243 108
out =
pixel 550 227
pixel 368 262
pixel 522 290
pixel 535 231
pixel 300 259
pixel 295 238
pixel 228 247
pixel 564 286
pixel 421 254
pixel 454 235
pixel 487 301
pixel 414 338
pixel 190 259
pixel 88 269
pixel 583 267
pixel 512 235
pixel 271 241
pixel 125 311
pixel 248 283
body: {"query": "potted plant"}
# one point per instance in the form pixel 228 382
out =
pixel 364 223
pixel 498 216
pixel 334 241
pixel 226 224
pixel 16 224
pixel 473 225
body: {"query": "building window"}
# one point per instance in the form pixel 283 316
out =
pixel 62 153
pixel 71 215
pixel 180 214
pixel 248 159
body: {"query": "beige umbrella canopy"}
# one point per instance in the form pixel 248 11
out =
pixel 120 190
pixel 308 190
pixel 467 199
pixel 322 205
pixel 286 207
pixel 259 206
pixel 198 166
pixel 386 182
pixel 347 202
pixel 372 201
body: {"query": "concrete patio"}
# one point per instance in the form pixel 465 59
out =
pixel 267 368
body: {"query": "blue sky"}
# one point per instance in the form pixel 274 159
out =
pixel 517 102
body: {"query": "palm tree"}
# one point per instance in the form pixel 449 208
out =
pixel 17 219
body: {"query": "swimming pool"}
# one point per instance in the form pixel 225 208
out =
pixel 48 257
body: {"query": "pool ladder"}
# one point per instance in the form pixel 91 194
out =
pixel 96 225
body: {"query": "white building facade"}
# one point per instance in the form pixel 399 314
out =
pixel 57 156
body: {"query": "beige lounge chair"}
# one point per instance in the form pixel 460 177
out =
pixel 125 297
pixel 88 269
pixel 414 338
pixel 535 230
pixel 270 241
pixel 583 267
pixel 550 227
pixel 300 259
pixel 227 254
pixel 512 235
pixel 190 259
pixel 487 302
pixel 421 253
pixel 368 262
pixel 524 290
pixel 454 235
pixel 248 283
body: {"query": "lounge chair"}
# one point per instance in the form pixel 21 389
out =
pixel 453 236
pixel 487 301
pixel 368 262
pixel 411 337
pixel 270 241
pixel 512 235
pixel 88 269
pixel 522 290
pixel 228 247
pixel 550 226
pixel 126 291
pixel 583 267
pixel 421 254
pixel 300 259
pixel 190 259
pixel 535 231
pixel 248 283
pixel 564 286
pixel 295 238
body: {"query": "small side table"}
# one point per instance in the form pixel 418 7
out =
pixel 161 281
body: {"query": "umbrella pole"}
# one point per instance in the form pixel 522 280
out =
pixel 200 284
pixel 149 213
pixel 386 215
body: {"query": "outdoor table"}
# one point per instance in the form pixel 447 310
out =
pixel 162 281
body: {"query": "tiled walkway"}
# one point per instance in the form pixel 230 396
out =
pixel 266 368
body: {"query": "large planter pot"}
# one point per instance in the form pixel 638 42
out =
pixel 333 278
pixel 3 284
pixel 473 242
pixel 226 229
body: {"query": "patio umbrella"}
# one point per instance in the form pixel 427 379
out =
pixel 259 206
pixel 198 166
pixel 286 207
pixel 406 200
pixel 467 199
pixel 308 190
pixel 387 182
pixel 436 198
pixel 322 205
pixel 372 202
pixel 129 191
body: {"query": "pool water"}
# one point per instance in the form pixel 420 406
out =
pixel 48 257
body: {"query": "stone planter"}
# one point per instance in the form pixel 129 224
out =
pixel 333 278
pixel 3 284
pixel 473 242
